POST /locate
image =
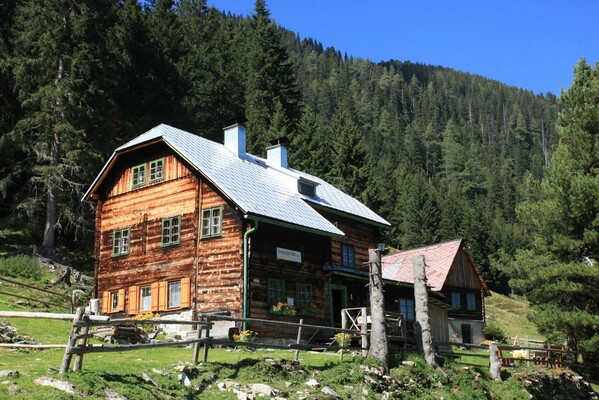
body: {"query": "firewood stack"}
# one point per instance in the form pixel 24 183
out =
pixel 121 334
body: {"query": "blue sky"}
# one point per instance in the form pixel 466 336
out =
pixel 527 43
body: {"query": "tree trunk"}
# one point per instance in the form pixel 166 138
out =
pixel 423 328
pixel 495 367
pixel 379 349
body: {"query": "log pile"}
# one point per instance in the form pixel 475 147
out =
pixel 121 334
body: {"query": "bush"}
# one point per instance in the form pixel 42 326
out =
pixel 493 332
pixel 20 267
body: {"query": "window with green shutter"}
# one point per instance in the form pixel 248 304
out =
pixel 121 242
pixel 139 176
pixel 212 222
pixel 171 231
pixel 276 291
pixel 157 170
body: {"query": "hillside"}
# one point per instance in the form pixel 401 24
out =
pixel 510 314
pixel 441 154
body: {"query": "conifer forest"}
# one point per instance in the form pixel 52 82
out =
pixel 440 154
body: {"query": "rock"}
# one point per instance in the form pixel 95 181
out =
pixel 52 370
pixel 112 395
pixel 221 386
pixel 184 379
pixel 312 383
pixel 329 391
pixel 147 378
pixel 264 390
pixel 13 390
pixel 240 394
pixel 409 363
pixel 56 384
pixel 157 371
pixel 9 373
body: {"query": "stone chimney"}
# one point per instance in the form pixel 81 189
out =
pixel 276 153
pixel 235 140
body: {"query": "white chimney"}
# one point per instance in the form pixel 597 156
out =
pixel 276 153
pixel 235 139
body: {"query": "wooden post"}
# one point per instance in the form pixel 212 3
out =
pixel 66 360
pixel 205 355
pixel 423 327
pixel 299 336
pixel 80 343
pixel 364 330
pixel 379 349
pixel 495 366
pixel 196 346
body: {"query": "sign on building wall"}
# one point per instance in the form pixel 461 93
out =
pixel 289 255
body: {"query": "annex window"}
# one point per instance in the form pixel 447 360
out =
pixel 145 298
pixel 157 170
pixel 456 300
pixel 139 176
pixel 406 307
pixel 276 291
pixel 114 301
pixel 174 294
pixel 307 188
pixel 121 240
pixel 470 302
pixel 171 231
pixel 303 296
pixel 212 222
pixel 347 256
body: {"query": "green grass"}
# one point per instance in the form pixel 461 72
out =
pixel 509 313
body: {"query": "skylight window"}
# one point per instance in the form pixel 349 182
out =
pixel 307 188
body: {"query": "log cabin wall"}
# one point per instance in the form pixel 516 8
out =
pixel 462 286
pixel 220 279
pixel 289 275
pixel 358 235
pixel 148 262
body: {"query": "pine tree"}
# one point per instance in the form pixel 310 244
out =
pixel 561 273
pixel 270 80
pixel 57 58
pixel 350 163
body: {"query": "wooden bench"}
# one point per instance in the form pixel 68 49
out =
pixel 505 359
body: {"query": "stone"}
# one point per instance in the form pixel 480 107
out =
pixel 112 395
pixel 330 392
pixel 13 390
pixel 5 382
pixel 157 371
pixel 264 390
pixel 56 384
pixel 184 379
pixel 9 373
pixel 312 383
pixel 409 363
pixel 241 395
pixel 147 378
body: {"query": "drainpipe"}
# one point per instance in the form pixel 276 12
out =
pixel 246 235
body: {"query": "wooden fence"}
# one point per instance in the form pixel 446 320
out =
pixel 71 299
pixel 80 333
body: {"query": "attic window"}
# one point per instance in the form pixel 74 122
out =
pixel 307 188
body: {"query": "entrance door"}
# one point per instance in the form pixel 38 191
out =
pixel 338 296
pixel 466 333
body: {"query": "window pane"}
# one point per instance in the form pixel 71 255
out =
pixel 456 300
pixel 470 301
pixel 175 230
pixel 174 294
pixel 216 221
pixel 156 170
pixel 146 298
pixel 115 300
pixel 206 223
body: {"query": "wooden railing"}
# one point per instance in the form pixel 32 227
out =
pixel 71 299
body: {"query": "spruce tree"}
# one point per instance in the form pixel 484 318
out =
pixel 270 80
pixel 57 64
pixel 560 273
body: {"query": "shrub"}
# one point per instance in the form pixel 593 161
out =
pixel 494 332
pixel 20 267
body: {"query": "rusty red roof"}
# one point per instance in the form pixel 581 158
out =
pixel 438 257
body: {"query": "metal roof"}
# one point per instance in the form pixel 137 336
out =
pixel 255 187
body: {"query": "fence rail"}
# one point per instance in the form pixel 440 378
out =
pixel 71 299
pixel 77 343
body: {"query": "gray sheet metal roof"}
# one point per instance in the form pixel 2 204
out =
pixel 256 188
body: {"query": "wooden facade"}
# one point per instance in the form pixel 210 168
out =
pixel 155 249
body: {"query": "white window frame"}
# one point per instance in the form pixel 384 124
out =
pixel 174 297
